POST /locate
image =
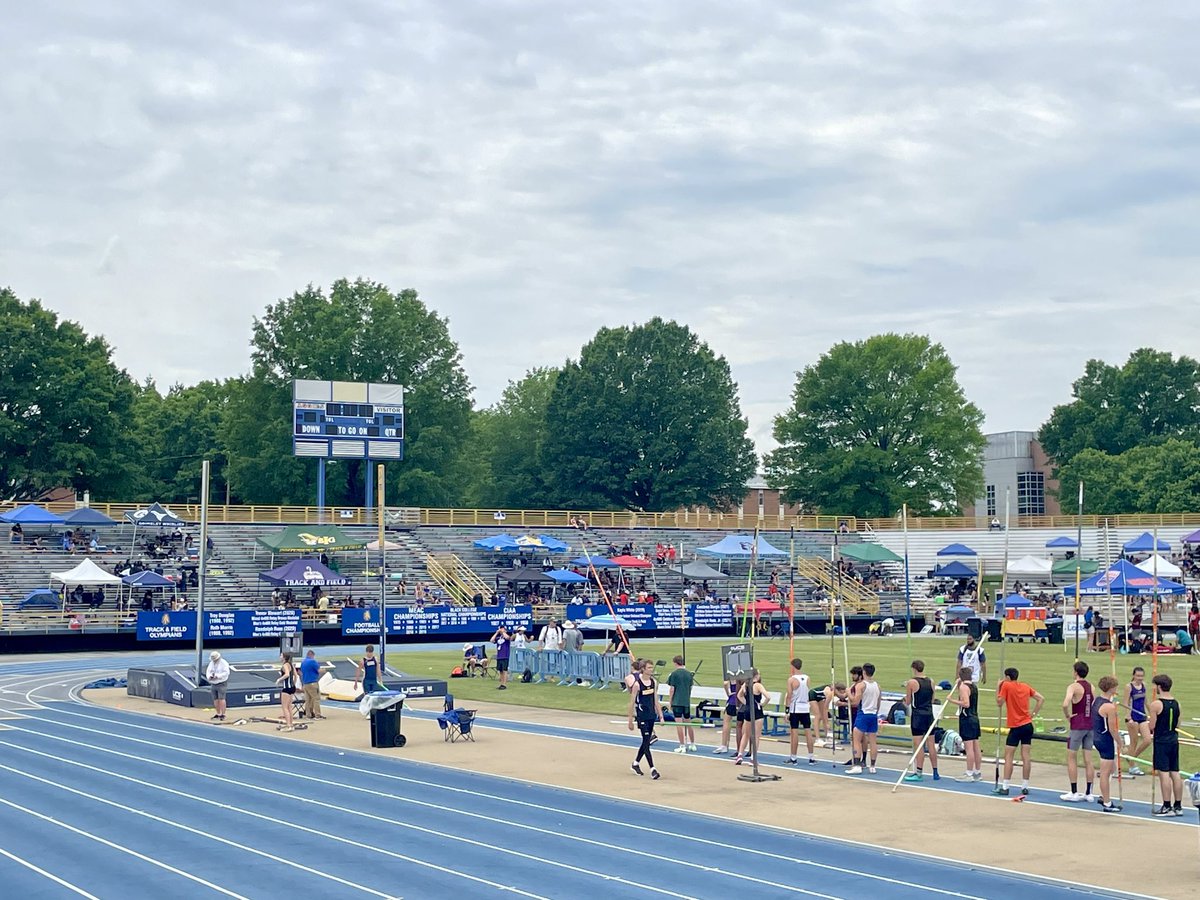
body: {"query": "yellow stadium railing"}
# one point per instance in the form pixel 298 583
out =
pixel 700 520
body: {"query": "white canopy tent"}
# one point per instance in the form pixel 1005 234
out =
pixel 1031 567
pixel 87 572
pixel 1163 567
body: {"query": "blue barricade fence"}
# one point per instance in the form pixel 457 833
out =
pixel 571 667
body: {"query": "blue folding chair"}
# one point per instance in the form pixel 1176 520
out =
pixel 456 724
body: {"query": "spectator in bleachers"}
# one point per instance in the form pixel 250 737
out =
pixel 16 534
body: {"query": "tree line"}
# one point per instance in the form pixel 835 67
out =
pixel 647 417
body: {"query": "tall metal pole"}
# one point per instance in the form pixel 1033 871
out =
pixel 203 563
pixel 907 589
pixel 321 491
pixel 382 586
pixel 1079 565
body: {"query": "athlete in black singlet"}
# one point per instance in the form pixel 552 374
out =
pixel 644 709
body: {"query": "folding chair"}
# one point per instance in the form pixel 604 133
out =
pixel 456 724
pixel 476 661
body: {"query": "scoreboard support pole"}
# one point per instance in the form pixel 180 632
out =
pixel 370 493
pixel 321 491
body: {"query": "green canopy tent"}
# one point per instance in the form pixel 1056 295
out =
pixel 868 553
pixel 309 539
pixel 1067 567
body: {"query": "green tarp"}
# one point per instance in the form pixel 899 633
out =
pixel 869 553
pixel 1067 567
pixel 311 539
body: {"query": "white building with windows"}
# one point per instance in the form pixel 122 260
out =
pixel 1014 460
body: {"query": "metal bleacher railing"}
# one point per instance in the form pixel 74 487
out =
pixel 545 518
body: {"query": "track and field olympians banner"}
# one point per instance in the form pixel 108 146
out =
pixel 236 624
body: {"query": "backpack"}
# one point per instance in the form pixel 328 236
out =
pixel 457 672
pixel 951 744
pixel 527 676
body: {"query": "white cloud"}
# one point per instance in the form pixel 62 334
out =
pixel 1018 182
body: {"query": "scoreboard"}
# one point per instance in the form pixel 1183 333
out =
pixel 347 420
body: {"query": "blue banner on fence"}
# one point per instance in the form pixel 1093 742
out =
pixel 226 623
pixel 651 616
pixel 447 620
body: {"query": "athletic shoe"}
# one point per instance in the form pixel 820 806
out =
pixel 812 761
pixel 915 776
pixel 1024 792
pixel 1000 791
pixel 502 687
pixel 737 760
pixel 653 739
pixel 937 775
pixel 654 774
pixel 1107 807
pixel 849 762
pixel 791 761
pixel 216 718
pixel 1135 771
pixel 1071 797
pixel 691 748
pixel 854 770
pixel 977 777
pixel 1164 810
pixel 637 770
pixel 965 777
pixel 871 770
pixel 1178 811
pixel 1089 798
pixel 720 750
pixel 682 748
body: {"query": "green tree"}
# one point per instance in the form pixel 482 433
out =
pixel 876 424
pixel 174 433
pixel 511 437
pixel 64 406
pixel 1154 478
pixel 1152 398
pixel 358 331
pixel 647 419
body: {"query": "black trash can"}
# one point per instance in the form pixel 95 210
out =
pixel 1054 630
pixel 995 628
pixel 385 726
pixel 975 627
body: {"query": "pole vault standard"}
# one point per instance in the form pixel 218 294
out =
pixel 1000 612
pixel 203 563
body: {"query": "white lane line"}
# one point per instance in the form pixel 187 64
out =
pixel 237 809
pixel 331 806
pixel 94 837
pixel 659 858
pixel 59 881
pixel 515 802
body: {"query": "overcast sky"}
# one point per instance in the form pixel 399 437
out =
pixel 1020 184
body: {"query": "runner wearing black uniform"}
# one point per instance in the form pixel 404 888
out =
pixel 643 707
pixel 920 701
pixel 750 711
pixel 1164 724
pixel 967 701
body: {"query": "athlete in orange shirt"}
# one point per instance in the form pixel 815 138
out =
pixel 1014 696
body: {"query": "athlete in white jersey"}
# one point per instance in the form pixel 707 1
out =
pixel 866 723
pixel 970 656
pixel 799 712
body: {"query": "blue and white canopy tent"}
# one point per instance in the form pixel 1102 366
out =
pixel 954 569
pixel 86 517
pixel 1124 579
pixel 304 573
pixel 147 580
pixel 1062 543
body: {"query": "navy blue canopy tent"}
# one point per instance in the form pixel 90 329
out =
pixel 31 514
pixel 502 543
pixel 42 598
pixel 741 546
pixel 1146 544
pixel 304 573
pixel 957 550
pixel 86 516
pixel 1124 579
pixel 954 570
pixel 147 579
pixel 1062 542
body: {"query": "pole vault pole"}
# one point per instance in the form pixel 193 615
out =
pixel 1000 610
pixel 912 759
pixel 907 591
pixel 1078 565
pixel 203 563
pixel 382 583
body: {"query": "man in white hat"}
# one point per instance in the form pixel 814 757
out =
pixel 217 676
pixel 519 638
pixel 572 636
